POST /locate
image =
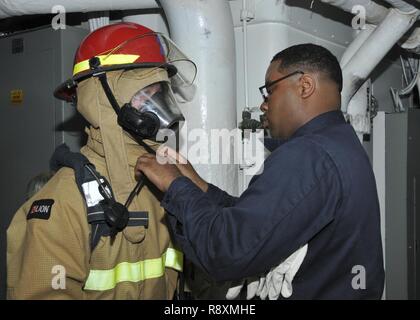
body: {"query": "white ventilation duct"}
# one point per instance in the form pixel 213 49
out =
pixel 153 21
pixel 357 111
pixel 9 8
pixel 401 5
pixel 375 13
pixel 357 70
pixel 413 42
pixel 98 20
pixel 359 40
pixel 205 31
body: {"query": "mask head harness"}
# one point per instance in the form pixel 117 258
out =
pixel 142 125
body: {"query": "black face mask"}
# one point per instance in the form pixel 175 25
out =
pixel 151 109
pixel 144 125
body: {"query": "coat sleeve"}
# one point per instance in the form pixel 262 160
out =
pixel 291 201
pixel 46 259
pixel 220 197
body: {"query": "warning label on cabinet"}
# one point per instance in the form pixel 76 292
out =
pixel 16 96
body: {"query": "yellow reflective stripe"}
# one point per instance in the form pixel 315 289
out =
pixel 101 280
pixel 106 60
pixel 174 259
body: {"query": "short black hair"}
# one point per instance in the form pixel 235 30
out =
pixel 311 57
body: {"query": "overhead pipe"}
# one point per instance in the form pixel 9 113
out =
pixel 375 13
pixel 412 44
pixel 205 32
pixel 244 18
pixel 357 70
pixel 98 20
pixel 355 108
pixel 357 111
pixel 153 21
pixel 9 8
pixel 401 5
pixel 360 38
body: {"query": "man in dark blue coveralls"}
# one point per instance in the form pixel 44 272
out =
pixel 317 188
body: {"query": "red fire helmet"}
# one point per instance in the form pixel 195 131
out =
pixel 118 46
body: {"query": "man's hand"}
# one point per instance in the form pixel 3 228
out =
pixel 161 175
pixel 183 165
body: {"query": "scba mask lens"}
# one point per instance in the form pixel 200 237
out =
pixel 151 109
pixel 159 100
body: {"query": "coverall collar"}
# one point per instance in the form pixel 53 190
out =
pixel 319 122
pixel 326 119
pixel 272 143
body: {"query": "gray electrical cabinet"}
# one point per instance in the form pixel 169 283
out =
pixel 33 122
pixel 402 214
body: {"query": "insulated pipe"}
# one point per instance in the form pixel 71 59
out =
pixel 358 41
pixel 375 13
pixel 9 8
pixel 357 111
pixel 204 31
pixel 244 17
pixel 153 21
pixel 356 71
pixel 401 5
pixel 412 44
pixel 98 20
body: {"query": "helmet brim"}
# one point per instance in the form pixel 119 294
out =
pixel 67 90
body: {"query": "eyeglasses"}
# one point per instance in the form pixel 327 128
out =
pixel 264 89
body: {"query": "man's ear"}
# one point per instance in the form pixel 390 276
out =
pixel 307 86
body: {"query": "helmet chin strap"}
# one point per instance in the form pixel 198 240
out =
pixel 95 64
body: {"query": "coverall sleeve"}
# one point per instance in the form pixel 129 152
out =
pixel 288 204
pixel 220 197
pixel 46 259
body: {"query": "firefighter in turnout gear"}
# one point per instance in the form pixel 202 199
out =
pixel 88 233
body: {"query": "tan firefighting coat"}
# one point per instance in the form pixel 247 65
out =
pixel 51 258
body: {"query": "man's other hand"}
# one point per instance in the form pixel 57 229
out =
pixel 161 175
pixel 183 165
